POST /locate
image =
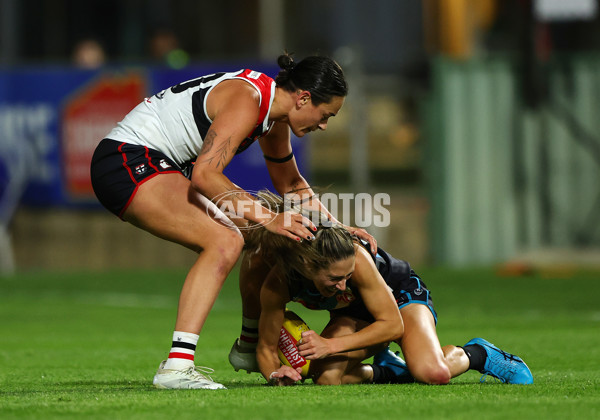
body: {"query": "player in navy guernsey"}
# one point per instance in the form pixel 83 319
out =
pixel 372 300
pixel 142 172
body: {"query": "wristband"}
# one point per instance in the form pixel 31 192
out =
pixel 279 160
pixel 273 380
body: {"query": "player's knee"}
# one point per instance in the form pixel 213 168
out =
pixel 329 377
pixel 228 245
pixel 236 242
pixel 231 245
pixel 433 374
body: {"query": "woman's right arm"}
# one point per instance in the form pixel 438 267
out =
pixel 233 108
pixel 273 297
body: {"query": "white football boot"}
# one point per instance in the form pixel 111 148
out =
pixel 242 360
pixel 194 377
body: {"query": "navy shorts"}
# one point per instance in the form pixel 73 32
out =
pixel 118 169
pixel 406 286
pixel 414 290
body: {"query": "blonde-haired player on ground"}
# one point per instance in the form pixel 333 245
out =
pixel 372 300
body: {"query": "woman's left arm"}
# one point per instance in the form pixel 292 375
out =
pixel 289 183
pixel 378 299
pixel 281 164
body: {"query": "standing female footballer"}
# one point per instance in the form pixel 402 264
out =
pixel 372 300
pixel 142 172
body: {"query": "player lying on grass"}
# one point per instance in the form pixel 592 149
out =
pixel 372 300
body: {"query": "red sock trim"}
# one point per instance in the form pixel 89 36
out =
pixel 174 355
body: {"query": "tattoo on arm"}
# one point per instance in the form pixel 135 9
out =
pixel 208 142
pixel 220 156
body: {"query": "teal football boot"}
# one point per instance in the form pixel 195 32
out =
pixel 506 367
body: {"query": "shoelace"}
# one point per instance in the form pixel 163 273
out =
pixel 509 357
pixel 201 372
pixel 504 366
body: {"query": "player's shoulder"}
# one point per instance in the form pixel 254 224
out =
pixel 262 82
pixel 364 266
pixel 254 76
pixel 235 93
pixel 361 252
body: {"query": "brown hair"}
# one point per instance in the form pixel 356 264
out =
pixel 332 242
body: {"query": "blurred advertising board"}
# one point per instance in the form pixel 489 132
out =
pixel 52 119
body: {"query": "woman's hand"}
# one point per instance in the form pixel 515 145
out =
pixel 365 236
pixel 292 225
pixel 285 376
pixel 313 346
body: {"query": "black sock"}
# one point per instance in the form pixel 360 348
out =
pixel 383 375
pixel 477 356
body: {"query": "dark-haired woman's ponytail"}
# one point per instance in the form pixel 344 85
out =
pixel 286 62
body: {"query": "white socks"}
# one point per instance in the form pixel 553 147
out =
pixel 182 351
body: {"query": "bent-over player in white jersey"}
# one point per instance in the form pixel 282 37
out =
pixel 161 169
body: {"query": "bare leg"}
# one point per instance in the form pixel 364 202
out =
pixel 183 216
pixel 425 358
pixel 456 359
pixel 344 368
pixel 253 271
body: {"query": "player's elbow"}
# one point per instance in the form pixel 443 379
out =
pixel 395 330
pixel 201 179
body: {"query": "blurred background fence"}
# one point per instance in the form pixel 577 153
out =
pixel 477 117
pixel 509 178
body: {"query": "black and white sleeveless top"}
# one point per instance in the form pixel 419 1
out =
pixel 175 121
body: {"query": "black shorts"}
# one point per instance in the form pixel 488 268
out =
pixel 118 169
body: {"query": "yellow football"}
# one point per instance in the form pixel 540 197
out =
pixel 291 332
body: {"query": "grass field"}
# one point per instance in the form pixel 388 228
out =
pixel 86 345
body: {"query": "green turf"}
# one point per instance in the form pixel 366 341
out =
pixel 86 345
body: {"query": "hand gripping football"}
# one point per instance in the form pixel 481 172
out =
pixel 291 332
